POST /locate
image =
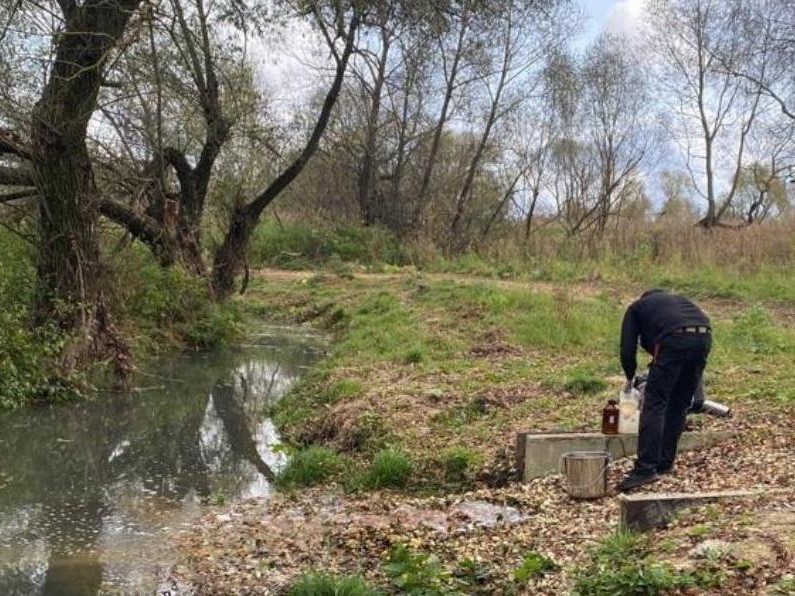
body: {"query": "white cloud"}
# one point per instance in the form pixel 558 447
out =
pixel 625 17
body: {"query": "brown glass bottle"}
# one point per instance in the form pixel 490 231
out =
pixel 610 418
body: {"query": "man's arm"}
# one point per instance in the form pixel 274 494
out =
pixel 629 344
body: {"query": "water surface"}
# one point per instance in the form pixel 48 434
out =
pixel 90 493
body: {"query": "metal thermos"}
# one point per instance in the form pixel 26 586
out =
pixel 716 409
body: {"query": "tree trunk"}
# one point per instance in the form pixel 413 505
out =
pixel 368 203
pixel 450 86
pixel 70 275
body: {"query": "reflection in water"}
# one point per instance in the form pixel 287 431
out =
pixel 90 493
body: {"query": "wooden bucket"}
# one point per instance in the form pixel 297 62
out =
pixel 586 473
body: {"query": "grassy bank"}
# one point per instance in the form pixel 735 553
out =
pixel 405 434
pixel 447 367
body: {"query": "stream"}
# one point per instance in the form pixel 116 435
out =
pixel 92 492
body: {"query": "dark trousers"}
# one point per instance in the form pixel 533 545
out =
pixel 673 378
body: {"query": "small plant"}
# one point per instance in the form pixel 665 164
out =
pixel 339 268
pixel 457 462
pixel 342 389
pixel 534 565
pixel 784 586
pixel 309 467
pixel 414 356
pixel 321 584
pixel 700 530
pixel 619 546
pixel 633 579
pixel 417 574
pixel 471 573
pixel 338 318
pixel 391 468
pixel 618 566
pixel 709 576
pixel 366 435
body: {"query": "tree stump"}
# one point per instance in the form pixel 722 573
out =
pixel 586 473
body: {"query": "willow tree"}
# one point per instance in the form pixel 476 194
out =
pixel 54 158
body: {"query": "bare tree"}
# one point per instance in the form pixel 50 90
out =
pixel 694 40
pixel 767 46
pixel 511 75
pixel 183 60
pixel 617 121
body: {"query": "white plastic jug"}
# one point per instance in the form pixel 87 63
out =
pixel 629 411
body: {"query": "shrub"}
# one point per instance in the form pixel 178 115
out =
pixel 309 467
pixel 164 301
pixel 321 584
pixel 27 371
pixel 297 246
pixel 414 356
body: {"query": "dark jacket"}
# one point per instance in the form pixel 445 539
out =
pixel 651 318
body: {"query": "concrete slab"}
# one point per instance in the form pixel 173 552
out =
pixel 644 511
pixel 538 454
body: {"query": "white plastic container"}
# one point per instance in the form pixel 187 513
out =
pixel 629 412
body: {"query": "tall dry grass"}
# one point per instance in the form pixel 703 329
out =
pixel 742 248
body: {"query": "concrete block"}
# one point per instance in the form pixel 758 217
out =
pixel 644 511
pixel 538 454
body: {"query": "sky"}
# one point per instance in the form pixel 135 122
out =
pixel 612 16
pixel 289 80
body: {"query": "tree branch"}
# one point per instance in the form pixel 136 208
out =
pixel 15 176
pixel 11 144
pixel 19 194
pixel 255 208
pixel 177 160
pixel 140 226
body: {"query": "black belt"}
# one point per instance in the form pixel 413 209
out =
pixel 699 329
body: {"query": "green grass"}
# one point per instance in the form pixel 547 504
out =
pixel 584 383
pixel 322 584
pixel 622 564
pixel 534 565
pixel 618 567
pixel 411 339
pixel 417 573
pixel 785 586
pixel 391 468
pixel 309 467
pixel 380 329
pixel 342 390
pixel 458 463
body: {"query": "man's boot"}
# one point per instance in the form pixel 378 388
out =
pixel 633 480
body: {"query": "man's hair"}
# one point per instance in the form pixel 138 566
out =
pixel 654 291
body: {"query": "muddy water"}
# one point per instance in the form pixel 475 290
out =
pixel 90 493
